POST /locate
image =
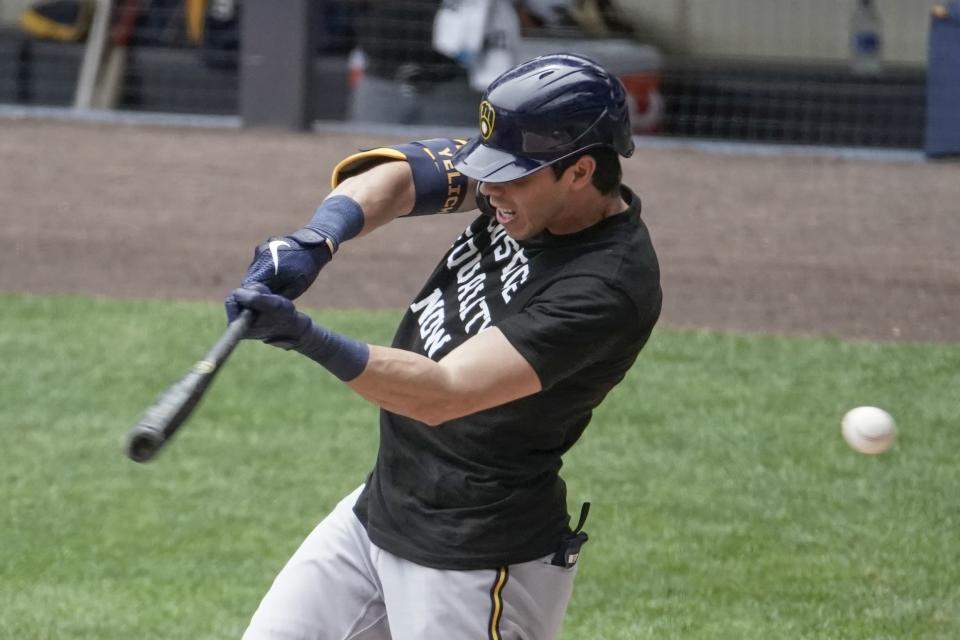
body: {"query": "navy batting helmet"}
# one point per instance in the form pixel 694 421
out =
pixel 542 111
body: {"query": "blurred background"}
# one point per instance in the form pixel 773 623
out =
pixel 801 278
pixel 821 72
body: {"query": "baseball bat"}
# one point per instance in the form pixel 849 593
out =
pixel 174 406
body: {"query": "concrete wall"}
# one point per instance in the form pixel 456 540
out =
pixel 10 10
pixel 793 29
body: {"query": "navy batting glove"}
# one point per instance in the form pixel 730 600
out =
pixel 288 265
pixel 277 321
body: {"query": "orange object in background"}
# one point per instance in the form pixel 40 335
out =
pixel 645 99
pixel 356 67
pixel 196 11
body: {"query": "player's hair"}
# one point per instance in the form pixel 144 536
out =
pixel 608 174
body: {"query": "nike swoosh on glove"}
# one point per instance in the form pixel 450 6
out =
pixel 288 265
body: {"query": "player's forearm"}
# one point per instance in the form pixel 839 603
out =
pixel 408 384
pixel 396 380
pixel 485 371
pixel 384 192
pixel 417 178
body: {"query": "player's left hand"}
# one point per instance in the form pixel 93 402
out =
pixel 288 265
pixel 277 321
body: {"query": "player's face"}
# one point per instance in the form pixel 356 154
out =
pixel 528 205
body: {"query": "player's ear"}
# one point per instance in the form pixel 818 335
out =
pixel 582 171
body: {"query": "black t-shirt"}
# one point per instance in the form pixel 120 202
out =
pixel 484 490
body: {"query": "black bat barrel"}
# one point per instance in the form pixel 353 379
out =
pixel 174 406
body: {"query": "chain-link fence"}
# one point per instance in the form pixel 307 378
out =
pixel 838 72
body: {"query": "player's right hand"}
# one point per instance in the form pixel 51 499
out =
pixel 288 265
pixel 277 321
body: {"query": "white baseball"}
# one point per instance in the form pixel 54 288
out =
pixel 868 430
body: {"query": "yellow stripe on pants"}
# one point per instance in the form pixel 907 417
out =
pixel 496 601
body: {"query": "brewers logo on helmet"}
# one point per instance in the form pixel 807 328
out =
pixel 487 118
pixel 546 109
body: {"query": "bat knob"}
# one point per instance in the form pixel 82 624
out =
pixel 143 443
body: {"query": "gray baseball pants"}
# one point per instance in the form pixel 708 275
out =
pixel 340 586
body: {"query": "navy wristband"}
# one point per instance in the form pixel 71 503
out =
pixel 342 356
pixel 338 218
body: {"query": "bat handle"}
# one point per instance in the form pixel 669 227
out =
pixel 233 334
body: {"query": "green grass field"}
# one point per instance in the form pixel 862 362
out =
pixel 725 503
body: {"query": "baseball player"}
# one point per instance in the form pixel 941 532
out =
pixel 536 311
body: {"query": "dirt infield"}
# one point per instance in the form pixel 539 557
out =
pixel 788 244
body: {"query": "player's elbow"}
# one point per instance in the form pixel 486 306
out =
pixel 436 413
pixel 431 420
pixel 446 402
pixel 442 398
